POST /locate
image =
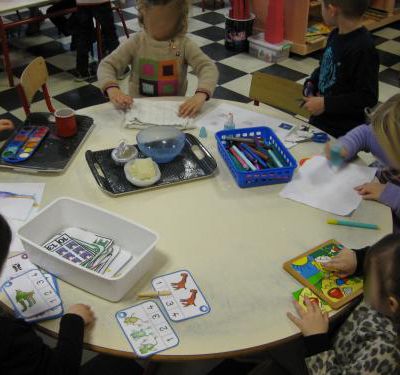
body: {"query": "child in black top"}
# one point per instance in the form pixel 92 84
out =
pixel 22 351
pixel 346 83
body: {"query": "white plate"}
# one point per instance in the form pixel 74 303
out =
pixel 141 183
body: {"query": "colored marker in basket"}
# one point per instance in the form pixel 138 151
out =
pixel 244 158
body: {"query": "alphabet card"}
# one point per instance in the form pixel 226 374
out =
pixel 31 294
pixel 146 329
pixel 186 301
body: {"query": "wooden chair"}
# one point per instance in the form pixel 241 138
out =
pixel 277 92
pixel 34 78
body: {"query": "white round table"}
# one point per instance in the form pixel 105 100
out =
pixel 233 240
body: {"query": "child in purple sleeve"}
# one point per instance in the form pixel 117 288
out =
pixel 382 139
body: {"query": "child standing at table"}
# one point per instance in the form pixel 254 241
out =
pixel 160 56
pixel 84 30
pixel 382 139
pixel 22 351
pixel 346 82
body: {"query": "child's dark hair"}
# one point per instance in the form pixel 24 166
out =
pixel 385 257
pixel 350 8
pixel 183 7
pixel 5 240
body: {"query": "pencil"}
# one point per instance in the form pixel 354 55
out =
pixel 161 293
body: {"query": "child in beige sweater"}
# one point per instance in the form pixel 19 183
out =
pixel 160 56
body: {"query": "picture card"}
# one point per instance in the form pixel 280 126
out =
pixel 31 294
pixel 309 269
pixel 15 266
pixel 146 329
pixel 187 301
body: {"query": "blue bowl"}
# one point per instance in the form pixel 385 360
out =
pixel 161 143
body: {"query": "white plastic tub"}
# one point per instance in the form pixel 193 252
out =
pixel 68 212
pixel 268 52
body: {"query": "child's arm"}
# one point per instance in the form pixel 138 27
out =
pixel 109 69
pixel 65 358
pixel 365 86
pixel 207 74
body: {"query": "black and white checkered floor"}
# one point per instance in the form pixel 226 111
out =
pixel 207 29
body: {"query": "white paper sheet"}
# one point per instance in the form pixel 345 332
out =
pixel 145 113
pixel 243 118
pixel 35 189
pixel 318 185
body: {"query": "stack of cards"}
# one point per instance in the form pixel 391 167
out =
pixel 145 325
pixel 89 250
pixel 34 295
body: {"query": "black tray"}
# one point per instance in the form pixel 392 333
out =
pixel 54 153
pixel 186 167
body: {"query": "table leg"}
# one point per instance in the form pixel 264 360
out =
pixel 6 53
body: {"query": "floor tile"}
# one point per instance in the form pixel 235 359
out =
pixel 281 71
pixel 47 49
pixel 386 91
pixel 200 41
pixel 65 61
pixel 10 100
pixel 81 97
pixel 306 65
pixel 390 46
pixel 127 16
pixel 217 51
pixel 132 24
pixel 195 25
pixel 388 33
pixel 213 33
pixel 30 41
pixel 388 59
pixel 245 62
pixel 50 68
pixel 39 106
pixel 241 85
pixel 212 18
pixel 390 76
pixel 227 73
pixel 224 93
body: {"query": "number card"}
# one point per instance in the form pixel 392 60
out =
pixel 16 266
pixel 31 294
pixel 187 301
pixel 146 329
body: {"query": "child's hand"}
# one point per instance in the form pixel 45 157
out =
pixel 344 264
pixel 6 125
pixel 192 106
pixel 119 99
pixel 371 191
pixel 315 105
pixel 84 311
pixel 343 151
pixel 312 321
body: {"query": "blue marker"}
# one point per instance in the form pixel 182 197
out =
pixel 255 156
pixel 336 157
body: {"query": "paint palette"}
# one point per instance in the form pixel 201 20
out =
pixel 24 144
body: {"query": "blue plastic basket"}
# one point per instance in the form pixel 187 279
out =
pixel 270 176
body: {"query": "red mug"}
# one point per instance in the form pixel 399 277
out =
pixel 65 122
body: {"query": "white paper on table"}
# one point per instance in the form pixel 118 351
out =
pixel 145 113
pixel 35 189
pixel 243 118
pixel 318 185
pixel 16 208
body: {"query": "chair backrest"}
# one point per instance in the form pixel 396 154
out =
pixel 34 78
pixel 278 92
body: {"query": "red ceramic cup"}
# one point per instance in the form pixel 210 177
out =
pixel 65 122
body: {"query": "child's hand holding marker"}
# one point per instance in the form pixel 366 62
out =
pixel 336 154
pixel 119 99
pixel 311 321
pixel 344 264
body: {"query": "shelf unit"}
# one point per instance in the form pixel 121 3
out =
pixel 300 14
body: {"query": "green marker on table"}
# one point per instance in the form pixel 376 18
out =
pixel 354 224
